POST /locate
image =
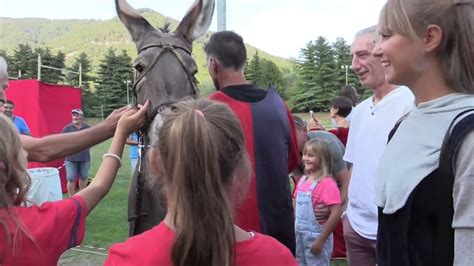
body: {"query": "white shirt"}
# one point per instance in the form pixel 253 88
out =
pixel 368 135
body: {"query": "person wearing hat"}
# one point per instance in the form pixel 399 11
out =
pixel 77 164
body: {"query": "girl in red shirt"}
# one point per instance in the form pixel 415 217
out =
pixel 198 154
pixel 38 235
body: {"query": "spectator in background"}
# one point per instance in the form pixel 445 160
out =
pixel 19 122
pixel 351 93
pixel 133 143
pixel 79 163
pixel 341 107
pixel 2 103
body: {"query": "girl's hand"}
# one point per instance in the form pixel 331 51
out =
pixel 132 119
pixel 317 246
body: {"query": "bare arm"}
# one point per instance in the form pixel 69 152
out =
pixel 343 177
pixel 103 180
pixel 57 146
pixel 131 142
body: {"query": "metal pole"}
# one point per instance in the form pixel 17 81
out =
pixel 80 75
pixel 39 66
pixel 102 108
pixel 221 15
pixel 19 73
pixel 128 100
pixel 347 67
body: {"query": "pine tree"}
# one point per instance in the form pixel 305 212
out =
pixel 303 97
pixel 343 59
pixel 47 75
pixel 113 71
pixel 23 61
pixel 265 74
pixel 89 100
pixel 58 62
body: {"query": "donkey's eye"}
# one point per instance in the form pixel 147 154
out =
pixel 139 67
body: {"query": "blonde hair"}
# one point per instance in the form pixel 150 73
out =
pixel 456 19
pixel 320 148
pixel 201 145
pixel 14 180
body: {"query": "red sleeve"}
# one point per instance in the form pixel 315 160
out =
pixel 69 222
pixel 294 153
pixel 331 193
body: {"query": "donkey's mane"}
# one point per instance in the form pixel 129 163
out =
pixel 165 28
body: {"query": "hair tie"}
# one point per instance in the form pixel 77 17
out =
pixel 199 112
pixel 2 166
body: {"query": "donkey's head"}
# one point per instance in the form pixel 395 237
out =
pixel 164 66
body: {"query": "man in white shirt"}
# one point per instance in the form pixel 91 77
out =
pixel 371 122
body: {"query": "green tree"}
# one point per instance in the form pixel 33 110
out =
pixel 23 61
pixel 343 60
pixel 265 74
pixel 58 62
pixel 89 99
pixel 306 86
pixel 47 75
pixel 111 89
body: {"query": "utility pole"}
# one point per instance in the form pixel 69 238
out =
pixel 128 90
pixel 346 67
pixel 221 15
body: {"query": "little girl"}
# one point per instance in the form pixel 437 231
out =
pixel 314 241
pixel 38 235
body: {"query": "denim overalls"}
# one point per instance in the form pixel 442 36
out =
pixel 307 230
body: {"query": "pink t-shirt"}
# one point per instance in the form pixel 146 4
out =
pixel 54 227
pixel 326 192
pixel 153 247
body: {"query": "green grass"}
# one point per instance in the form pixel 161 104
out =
pixel 323 117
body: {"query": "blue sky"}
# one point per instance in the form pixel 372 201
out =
pixel 280 27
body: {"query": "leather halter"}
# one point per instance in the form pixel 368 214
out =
pixel 165 47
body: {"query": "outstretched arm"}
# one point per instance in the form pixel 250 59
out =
pixel 57 146
pixel 131 120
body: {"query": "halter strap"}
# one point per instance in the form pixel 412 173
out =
pixel 165 47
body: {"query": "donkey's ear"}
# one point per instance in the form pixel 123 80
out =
pixel 197 20
pixel 133 21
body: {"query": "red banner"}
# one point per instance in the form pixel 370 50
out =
pixel 46 109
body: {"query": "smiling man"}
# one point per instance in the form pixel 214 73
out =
pixel 77 164
pixel 371 122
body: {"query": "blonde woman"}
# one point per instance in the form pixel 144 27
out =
pixel 424 184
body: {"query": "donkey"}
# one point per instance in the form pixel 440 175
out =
pixel 165 73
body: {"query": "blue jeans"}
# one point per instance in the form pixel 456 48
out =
pixel 75 168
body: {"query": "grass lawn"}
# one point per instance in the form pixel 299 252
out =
pixel 107 224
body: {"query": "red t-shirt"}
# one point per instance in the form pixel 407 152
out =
pixel 341 133
pixel 53 227
pixel 153 247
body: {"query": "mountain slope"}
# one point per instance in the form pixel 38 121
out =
pixel 96 36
